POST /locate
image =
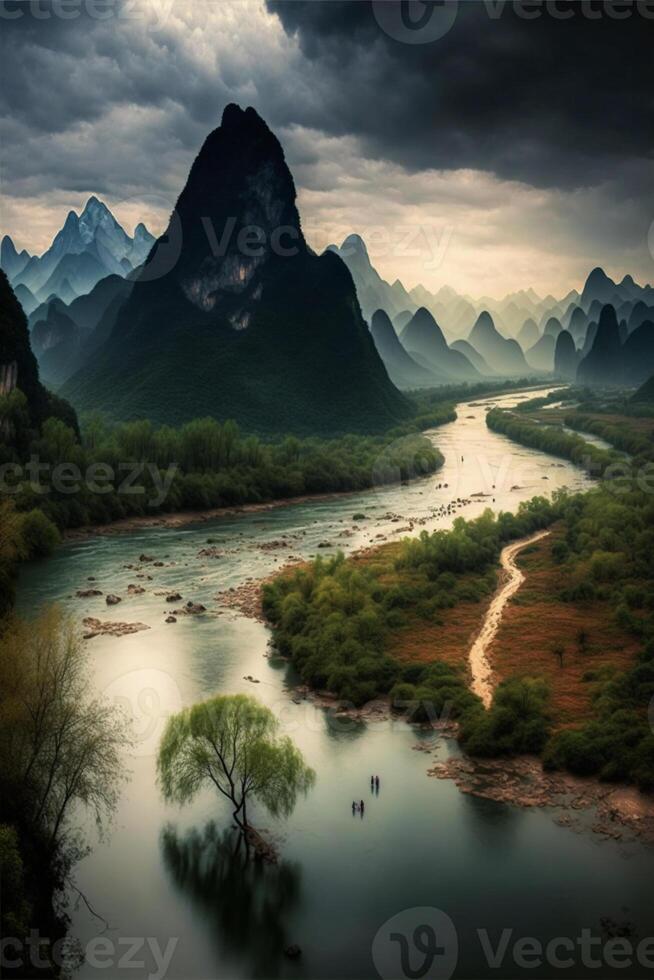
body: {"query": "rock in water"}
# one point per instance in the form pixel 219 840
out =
pixel 235 317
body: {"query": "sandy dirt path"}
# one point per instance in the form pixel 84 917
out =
pixel 480 668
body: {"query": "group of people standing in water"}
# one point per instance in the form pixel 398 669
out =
pixel 360 807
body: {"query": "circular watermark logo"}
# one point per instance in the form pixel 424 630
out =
pixel 148 697
pixel 415 21
pixel 416 943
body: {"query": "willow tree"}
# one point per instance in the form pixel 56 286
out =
pixel 232 742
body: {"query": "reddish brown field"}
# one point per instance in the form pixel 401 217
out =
pixel 536 622
pixel 450 641
pixel 423 640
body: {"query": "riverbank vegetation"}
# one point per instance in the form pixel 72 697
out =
pixel 338 620
pixel 606 560
pixel 347 625
pixel 116 471
pixel 135 469
pixel 629 435
pixel 60 751
pixel 554 440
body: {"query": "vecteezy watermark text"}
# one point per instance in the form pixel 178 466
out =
pixel 153 13
pixel 424 942
pixel 44 478
pixel 144 953
pixel 427 21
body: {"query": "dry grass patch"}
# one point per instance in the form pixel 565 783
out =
pixel 446 636
pixel 536 623
pixel 424 641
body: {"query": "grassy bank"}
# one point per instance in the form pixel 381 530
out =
pixel 574 658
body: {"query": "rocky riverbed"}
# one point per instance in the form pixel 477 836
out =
pixel 613 812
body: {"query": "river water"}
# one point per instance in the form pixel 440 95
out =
pixel 165 878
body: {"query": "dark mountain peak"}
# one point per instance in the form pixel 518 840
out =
pixel 237 214
pixel 597 277
pixel 242 320
pixel 141 232
pixel 424 324
pixel 608 319
pixel 355 244
pixel 484 324
pixel 565 356
pixel 603 362
pixel 381 321
pixel 235 118
pixel 503 356
pixel 565 341
pixel 7 245
pixel 402 369
pixel 638 354
pixel 598 287
pixel 423 338
pixel 423 315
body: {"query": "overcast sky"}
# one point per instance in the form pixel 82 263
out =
pixel 495 147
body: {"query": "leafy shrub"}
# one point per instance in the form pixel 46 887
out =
pixel 40 536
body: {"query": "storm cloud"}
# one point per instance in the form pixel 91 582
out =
pixel 553 94
pixel 521 144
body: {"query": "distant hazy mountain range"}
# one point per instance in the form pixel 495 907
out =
pixel 280 343
pixel 520 335
pixel 455 313
pixel 89 247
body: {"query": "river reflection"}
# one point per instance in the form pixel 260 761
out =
pixel 164 874
pixel 245 904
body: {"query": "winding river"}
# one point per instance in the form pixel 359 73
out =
pixel 165 874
